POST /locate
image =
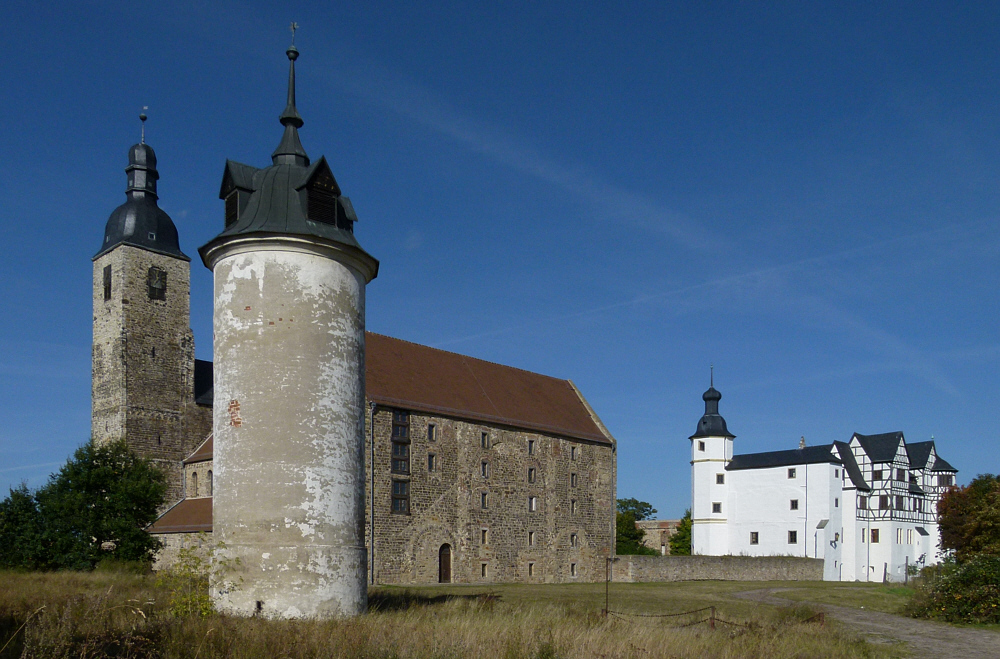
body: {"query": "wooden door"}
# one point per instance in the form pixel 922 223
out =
pixel 444 564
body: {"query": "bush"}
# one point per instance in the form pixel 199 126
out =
pixel 968 592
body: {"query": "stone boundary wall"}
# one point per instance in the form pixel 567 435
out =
pixel 636 569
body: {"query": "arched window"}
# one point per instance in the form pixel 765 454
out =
pixel 194 483
pixel 210 482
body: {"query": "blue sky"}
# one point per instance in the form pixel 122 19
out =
pixel 804 196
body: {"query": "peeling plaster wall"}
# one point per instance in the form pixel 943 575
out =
pixel 289 424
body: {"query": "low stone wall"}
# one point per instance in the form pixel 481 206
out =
pixel 629 569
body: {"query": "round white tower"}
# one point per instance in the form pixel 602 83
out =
pixel 711 451
pixel 289 387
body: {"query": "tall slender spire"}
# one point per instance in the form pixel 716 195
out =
pixel 290 151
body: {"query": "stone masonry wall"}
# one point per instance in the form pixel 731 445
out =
pixel 644 569
pixel 446 505
pixel 143 362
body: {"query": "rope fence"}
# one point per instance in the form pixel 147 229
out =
pixel 712 618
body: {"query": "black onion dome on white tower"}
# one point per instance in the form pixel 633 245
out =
pixel 292 197
pixel 712 424
pixel 140 222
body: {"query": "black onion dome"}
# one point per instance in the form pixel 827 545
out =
pixel 140 222
pixel 712 424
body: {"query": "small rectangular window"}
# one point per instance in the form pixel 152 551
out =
pixel 483 570
pixel 572 480
pixel 572 569
pixel 791 472
pixel 431 462
pixel 484 440
pixel 717 507
pixel 531 538
pixel 874 536
pixel 107 283
pixel 754 538
pixel 572 453
pixel 572 540
pixel 156 283
pixel 400 458
pixel 836 502
pixel 572 507
pixel 484 469
pixel 883 502
pixel 901 475
pixel 909 536
pixel 836 473
pixel 793 537
pixel 877 475
pixel 485 536
pixel 531 569
pixel 431 432
pixel 862 503
pixel 701 446
pixel 531 474
pixel 401 497
pixel 720 479
pixel 900 504
pixel 793 504
pixel 532 504
pixel 484 499
pixel 899 536
pixel 863 535
pixel 531 447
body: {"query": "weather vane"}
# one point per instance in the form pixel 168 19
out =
pixel 294 27
pixel 142 118
pixel 711 375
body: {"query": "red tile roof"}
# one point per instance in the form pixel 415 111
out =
pixel 188 516
pixel 423 379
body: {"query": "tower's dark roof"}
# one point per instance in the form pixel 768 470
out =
pixel 712 424
pixel 277 196
pixel 880 448
pixel 800 456
pixel 139 221
pixel 851 465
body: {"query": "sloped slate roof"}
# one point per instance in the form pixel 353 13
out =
pixel 943 465
pixel 918 453
pixel 880 448
pixel 187 516
pixel 203 452
pixel 416 377
pixel 851 465
pixel 799 456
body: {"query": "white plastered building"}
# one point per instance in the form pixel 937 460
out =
pixel 867 507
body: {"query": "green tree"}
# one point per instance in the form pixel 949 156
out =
pixel 95 507
pixel 680 541
pixel 640 509
pixel 628 538
pixel 20 530
pixel 969 518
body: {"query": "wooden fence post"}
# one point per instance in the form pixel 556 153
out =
pixel 711 619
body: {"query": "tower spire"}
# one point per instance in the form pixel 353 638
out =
pixel 711 376
pixel 290 151
pixel 142 118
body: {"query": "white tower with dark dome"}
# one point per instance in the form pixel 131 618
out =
pixel 711 451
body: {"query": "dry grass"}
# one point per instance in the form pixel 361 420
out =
pixel 120 615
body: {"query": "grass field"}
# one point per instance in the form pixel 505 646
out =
pixel 95 615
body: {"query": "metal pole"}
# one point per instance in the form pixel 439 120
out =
pixel 607 582
pixel 371 525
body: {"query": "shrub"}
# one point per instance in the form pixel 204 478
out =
pixel 189 577
pixel 968 592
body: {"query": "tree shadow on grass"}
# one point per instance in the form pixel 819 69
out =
pixel 400 600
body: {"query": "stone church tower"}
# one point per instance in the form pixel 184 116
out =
pixel 289 413
pixel 143 351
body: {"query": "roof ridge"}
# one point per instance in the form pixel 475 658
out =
pixel 478 359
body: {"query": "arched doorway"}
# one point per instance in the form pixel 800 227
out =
pixel 444 564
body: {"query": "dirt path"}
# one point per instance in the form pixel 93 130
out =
pixel 924 638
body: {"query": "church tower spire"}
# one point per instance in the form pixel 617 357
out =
pixel 290 151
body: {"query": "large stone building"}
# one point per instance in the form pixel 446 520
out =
pixel 867 507
pixel 472 471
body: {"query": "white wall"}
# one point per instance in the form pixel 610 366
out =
pixel 709 536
